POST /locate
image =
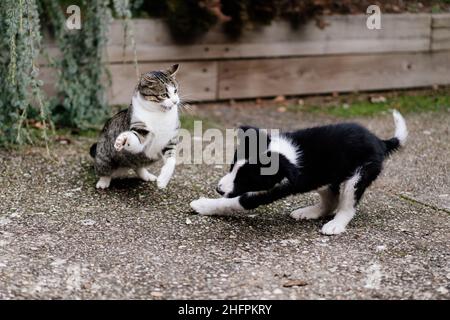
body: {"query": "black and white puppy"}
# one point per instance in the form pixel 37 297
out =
pixel 339 161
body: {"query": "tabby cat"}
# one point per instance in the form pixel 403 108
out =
pixel 145 132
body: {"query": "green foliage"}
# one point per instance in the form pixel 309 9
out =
pixel 81 101
pixel 187 19
pixel 20 90
pixel 187 122
pixel 430 102
pixel 82 73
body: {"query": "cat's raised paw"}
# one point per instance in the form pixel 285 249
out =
pixel 121 141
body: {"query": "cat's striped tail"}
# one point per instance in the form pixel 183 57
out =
pixel 93 150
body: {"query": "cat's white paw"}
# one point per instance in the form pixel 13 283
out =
pixel 161 182
pixel 145 175
pixel 103 182
pixel 166 173
pixel 129 142
pixel 121 141
pixel 312 212
pixel 333 227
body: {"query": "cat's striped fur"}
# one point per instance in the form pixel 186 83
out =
pixel 142 134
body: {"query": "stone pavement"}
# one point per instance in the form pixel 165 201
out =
pixel 61 238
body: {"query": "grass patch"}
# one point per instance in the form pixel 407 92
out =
pixel 404 104
pixel 187 122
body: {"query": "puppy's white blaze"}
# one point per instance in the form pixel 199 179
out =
pixel 284 146
pixel 401 132
pixel 226 184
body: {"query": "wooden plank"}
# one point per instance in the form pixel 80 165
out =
pixel 343 34
pixel 198 80
pixel 394 26
pixel 441 20
pixel 441 45
pixel 310 75
pixel 441 34
pixel 257 50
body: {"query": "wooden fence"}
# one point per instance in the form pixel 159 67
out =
pixel 411 50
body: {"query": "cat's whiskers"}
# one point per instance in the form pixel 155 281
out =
pixel 185 107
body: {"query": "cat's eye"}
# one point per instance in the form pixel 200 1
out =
pixel 176 90
pixel 165 96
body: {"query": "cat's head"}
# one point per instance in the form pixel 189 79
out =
pixel 160 88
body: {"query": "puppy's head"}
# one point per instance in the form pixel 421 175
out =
pixel 258 164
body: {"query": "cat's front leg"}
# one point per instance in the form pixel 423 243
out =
pixel 128 141
pixel 166 173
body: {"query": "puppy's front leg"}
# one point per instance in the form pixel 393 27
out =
pixel 219 206
pixel 247 201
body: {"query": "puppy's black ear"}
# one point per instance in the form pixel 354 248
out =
pixel 246 128
pixel 253 141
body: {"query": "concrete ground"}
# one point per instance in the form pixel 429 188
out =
pixel 61 238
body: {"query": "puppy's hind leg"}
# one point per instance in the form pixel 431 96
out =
pixel 346 207
pixel 351 192
pixel 328 202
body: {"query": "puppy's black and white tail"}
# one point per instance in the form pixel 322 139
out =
pixel 401 133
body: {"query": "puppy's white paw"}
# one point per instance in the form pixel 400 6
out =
pixel 121 140
pixel 204 206
pixel 312 212
pixel 333 227
pixel 103 183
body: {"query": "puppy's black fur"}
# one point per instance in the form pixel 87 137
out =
pixel 327 156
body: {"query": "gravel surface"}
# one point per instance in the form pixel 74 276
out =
pixel 61 238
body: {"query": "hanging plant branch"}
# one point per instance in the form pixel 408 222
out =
pixel 20 89
pixel 81 101
pixel 123 11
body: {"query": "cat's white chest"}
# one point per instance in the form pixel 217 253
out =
pixel 162 125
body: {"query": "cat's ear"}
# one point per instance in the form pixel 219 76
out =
pixel 172 70
pixel 147 80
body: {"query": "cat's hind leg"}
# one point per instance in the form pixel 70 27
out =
pixel 145 175
pixel 103 182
